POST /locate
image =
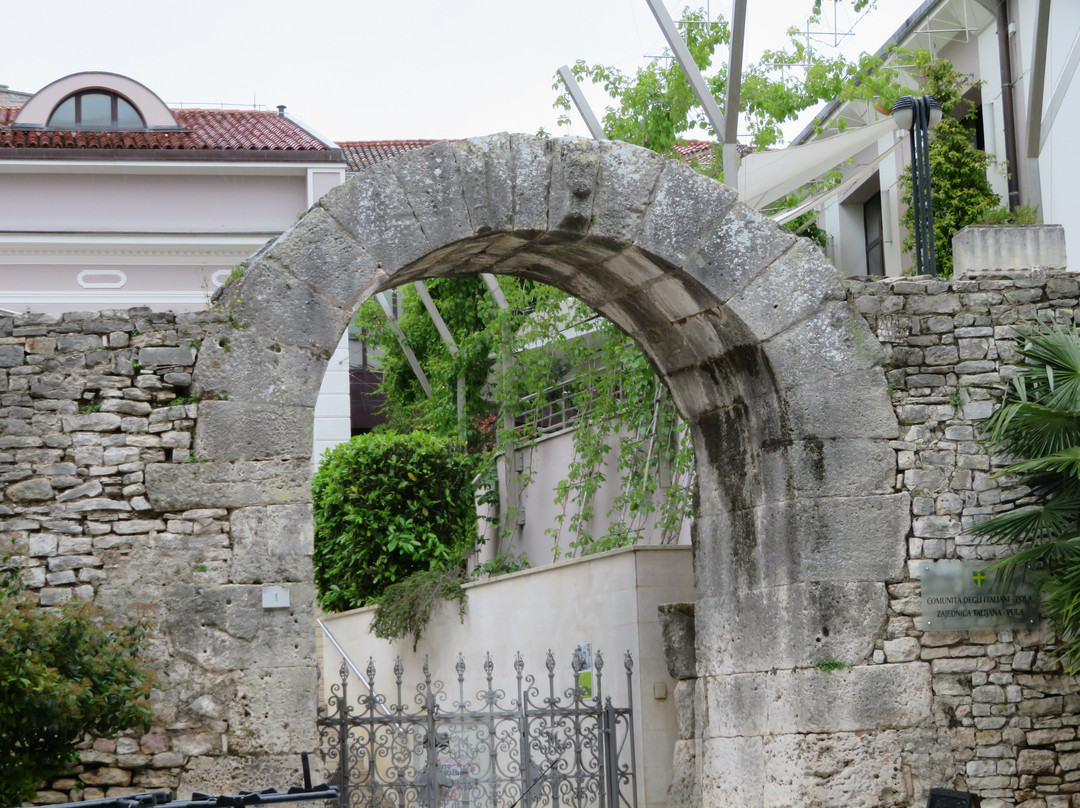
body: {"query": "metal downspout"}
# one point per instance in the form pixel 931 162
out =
pixel 1005 60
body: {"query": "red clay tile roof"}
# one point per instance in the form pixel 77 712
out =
pixel 209 129
pixel 359 154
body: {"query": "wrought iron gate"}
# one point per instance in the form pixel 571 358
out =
pixel 540 750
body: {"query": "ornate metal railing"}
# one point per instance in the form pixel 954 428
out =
pixel 540 749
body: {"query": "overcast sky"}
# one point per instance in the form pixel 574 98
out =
pixel 371 69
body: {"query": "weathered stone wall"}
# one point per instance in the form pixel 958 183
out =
pixel 1000 701
pixel 88 410
pixel 985 711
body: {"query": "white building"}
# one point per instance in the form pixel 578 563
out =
pixel 110 199
pixel 1041 40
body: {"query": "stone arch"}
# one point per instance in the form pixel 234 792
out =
pixel 798 524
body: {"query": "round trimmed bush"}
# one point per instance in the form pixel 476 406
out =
pixel 388 505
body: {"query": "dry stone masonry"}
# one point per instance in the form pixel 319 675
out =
pixel 91 405
pixel 835 442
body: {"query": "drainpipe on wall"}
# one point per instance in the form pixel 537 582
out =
pixel 1005 61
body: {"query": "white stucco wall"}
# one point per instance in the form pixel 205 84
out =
pixel 609 600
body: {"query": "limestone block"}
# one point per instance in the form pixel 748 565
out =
pixel 685 789
pixel 321 253
pixel 258 367
pixel 272 712
pixel 151 358
pixel 829 539
pixel 244 430
pixel 788 290
pixel 571 196
pixel 865 697
pixel 36 489
pixel 179 486
pixel 732 772
pixel 234 631
pixel 530 161
pixel 685 210
pixel 788 626
pixel 91 422
pixel 627 178
pixel 11 356
pixel 484 164
pixel 88 489
pixel 742 244
pixel 817 467
pixel 373 208
pixel 863 771
pixel 271 544
pixel 852 405
pixel 677 627
pixel 831 343
pixel 737 705
pixel 269 300
pixel 1036 761
pixel 432 186
pixel 981 249
pixel 106 776
pixel 902 649
pixel 686 697
pixel 221 775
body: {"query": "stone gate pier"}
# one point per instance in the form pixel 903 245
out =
pixel 162 462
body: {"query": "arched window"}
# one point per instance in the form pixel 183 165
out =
pixel 95 109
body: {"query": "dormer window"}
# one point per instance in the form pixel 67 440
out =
pixel 96 109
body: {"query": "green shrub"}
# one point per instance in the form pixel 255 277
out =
pixel 388 505
pixel 63 672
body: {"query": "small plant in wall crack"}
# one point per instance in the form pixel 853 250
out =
pixel 832 664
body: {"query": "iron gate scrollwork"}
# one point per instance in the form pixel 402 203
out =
pixel 572 748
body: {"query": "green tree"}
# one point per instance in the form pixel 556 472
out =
pixel 386 506
pixel 1037 426
pixel 64 672
pixel 960 192
pixel 654 106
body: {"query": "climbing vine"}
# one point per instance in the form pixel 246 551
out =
pixel 960 192
pixel 545 362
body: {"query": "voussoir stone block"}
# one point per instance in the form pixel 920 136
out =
pixel 791 288
pixel 833 342
pixel 269 300
pixel 374 209
pixel 182 486
pixel 432 185
pixel 573 185
pixel 243 430
pixel 740 247
pixel 530 161
pixel 627 180
pixel 326 256
pixel 486 171
pixel 685 210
